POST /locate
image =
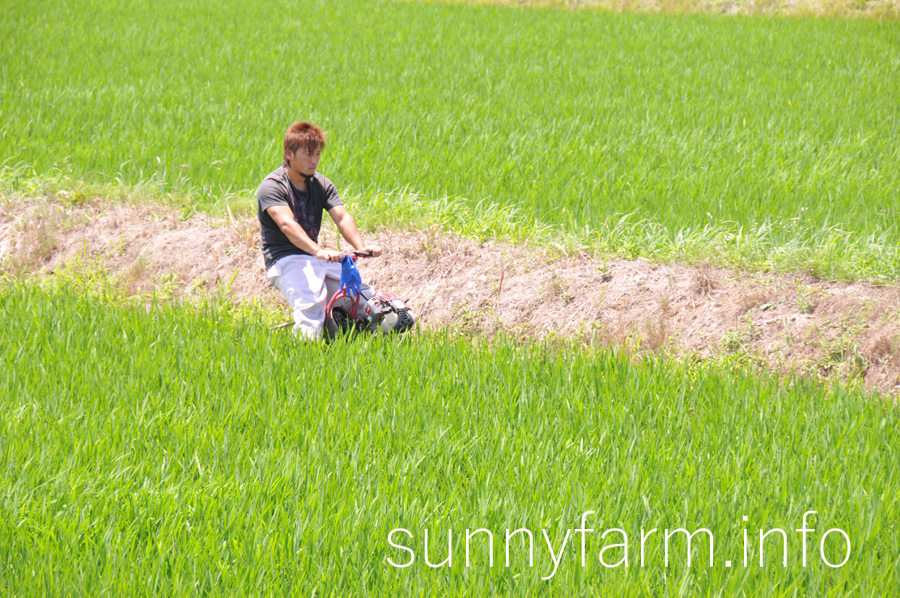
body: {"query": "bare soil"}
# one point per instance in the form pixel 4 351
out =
pixel 782 322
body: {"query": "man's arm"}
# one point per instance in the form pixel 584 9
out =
pixel 347 225
pixel 284 218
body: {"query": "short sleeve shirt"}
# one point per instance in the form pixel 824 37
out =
pixel 307 207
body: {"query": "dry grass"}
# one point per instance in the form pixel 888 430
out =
pixel 618 336
pixel 754 298
pixel 808 298
pixel 135 274
pixel 243 234
pixel 34 241
pixel 741 337
pixel 704 280
pixel 846 9
pixel 884 347
pixel 656 333
pixel 557 287
pixel 480 320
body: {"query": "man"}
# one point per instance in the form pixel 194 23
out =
pixel 290 202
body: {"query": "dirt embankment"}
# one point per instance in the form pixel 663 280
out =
pixel 788 323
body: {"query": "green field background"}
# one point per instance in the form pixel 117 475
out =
pixel 570 117
pixel 185 452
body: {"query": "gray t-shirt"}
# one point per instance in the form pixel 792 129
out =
pixel 277 190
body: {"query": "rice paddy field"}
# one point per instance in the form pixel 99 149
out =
pixel 766 141
pixel 190 452
pixel 187 449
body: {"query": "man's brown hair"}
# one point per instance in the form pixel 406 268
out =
pixel 303 134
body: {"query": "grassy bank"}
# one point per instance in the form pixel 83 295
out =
pixel 188 451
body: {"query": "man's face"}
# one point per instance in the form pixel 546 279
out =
pixel 305 162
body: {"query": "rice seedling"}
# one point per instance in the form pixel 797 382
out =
pixel 184 450
pixel 778 137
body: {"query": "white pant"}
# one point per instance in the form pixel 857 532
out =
pixel 308 284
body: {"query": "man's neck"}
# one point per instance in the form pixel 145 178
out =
pixel 298 180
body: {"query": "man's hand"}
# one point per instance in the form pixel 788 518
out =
pixel 376 250
pixel 329 255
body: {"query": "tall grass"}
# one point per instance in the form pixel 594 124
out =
pixel 828 252
pixel 571 119
pixel 183 451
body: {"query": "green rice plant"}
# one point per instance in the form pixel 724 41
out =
pixel 185 450
pixel 783 130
